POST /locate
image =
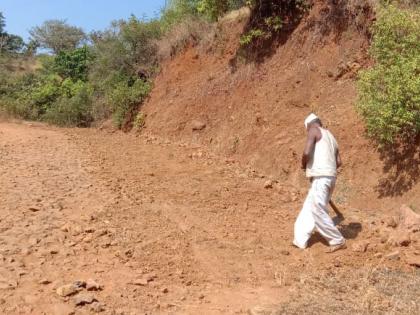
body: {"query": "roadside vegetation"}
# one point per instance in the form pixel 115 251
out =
pixel 389 92
pixel 82 78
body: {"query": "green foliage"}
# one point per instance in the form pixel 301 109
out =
pixel 139 121
pixel 111 77
pixel 9 43
pixel 73 64
pixel 210 9
pixel 269 18
pixel 389 92
pixel 2 23
pixel 251 36
pixel 73 108
pixel 57 36
pixel 124 98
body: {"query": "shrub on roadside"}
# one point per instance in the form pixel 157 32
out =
pixel 124 98
pixel 389 92
pixel 72 108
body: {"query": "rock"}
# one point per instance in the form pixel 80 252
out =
pixel 399 238
pixel 34 241
pixel 285 252
pixel 268 184
pixel 197 125
pixel 165 290
pixel 34 209
pixel 44 281
pixel 391 222
pixel 83 299
pixel 413 259
pixel 393 256
pixel 360 246
pixel 409 219
pixel 144 280
pixel 140 281
pixel 92 285
pixel 97 307
pixel 70 289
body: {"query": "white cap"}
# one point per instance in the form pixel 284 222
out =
pixel 310 119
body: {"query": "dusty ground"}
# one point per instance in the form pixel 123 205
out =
pixel 167 228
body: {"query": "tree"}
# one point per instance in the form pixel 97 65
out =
pixel 9 43
pixel 57 36
pixel 73 64
pixel 2 23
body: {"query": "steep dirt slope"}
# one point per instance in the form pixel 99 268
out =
pixel 254 112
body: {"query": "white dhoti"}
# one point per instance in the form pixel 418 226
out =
pixel 314 214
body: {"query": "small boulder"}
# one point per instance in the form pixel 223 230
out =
pixel 391 222
pixel 197 125
pixel 67 290
pixel 409 219
pixel 393 256
pixel 97 307
pixel 44 281
pixel 399 238
pixel 92 285
pixel 70 289
pixel 360 246
pixel 34 209
pixel 268 184
pixel 413 259
pixel 83 299
pixel 140 281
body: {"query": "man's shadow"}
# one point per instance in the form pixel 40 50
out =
pixel 350 231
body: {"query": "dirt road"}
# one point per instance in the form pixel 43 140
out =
pixel 161 227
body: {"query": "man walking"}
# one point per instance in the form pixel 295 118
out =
pixel 320 159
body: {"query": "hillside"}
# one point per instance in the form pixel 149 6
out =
pixel 253 111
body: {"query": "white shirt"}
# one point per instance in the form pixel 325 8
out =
pixel 323 162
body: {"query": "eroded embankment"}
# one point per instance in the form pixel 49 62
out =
pixel 253 113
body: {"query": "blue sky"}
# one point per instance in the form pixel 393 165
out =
pixel 21 15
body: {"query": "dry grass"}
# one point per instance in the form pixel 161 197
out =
pixel 189 32
pixel 364 291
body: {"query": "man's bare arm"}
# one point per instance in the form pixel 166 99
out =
pixel 338 159
pixel 309 147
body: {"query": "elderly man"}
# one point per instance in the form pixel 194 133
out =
pixel 320 159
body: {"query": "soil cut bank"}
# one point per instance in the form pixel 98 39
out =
pixel 253 113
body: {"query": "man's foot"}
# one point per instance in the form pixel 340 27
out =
pixel 335 248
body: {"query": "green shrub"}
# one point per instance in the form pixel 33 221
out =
pixel 125 98
pixel 269 18
pixel 72 110
pixel 73 64
pixel 389 92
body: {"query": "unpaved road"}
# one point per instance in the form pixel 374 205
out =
pixel 163 228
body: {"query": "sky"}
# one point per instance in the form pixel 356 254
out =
pixel 21 15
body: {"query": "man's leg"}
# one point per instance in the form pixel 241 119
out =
pixel 304 224
pixel 322 189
